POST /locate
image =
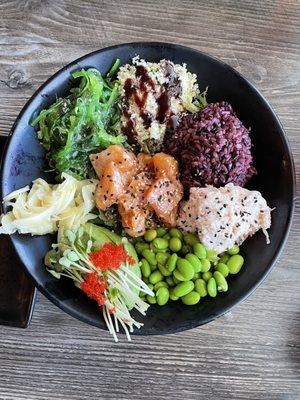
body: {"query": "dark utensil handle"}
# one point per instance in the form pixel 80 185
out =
pixel 17 293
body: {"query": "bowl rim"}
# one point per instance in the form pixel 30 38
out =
pixel 190 324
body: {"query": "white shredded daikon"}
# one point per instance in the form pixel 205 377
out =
pixel 47 208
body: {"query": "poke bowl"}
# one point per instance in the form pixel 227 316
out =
pixel 199 103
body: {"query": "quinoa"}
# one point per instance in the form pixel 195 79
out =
pixel 151 95
pixel 212 147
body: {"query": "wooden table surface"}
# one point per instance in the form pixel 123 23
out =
pixel 252 353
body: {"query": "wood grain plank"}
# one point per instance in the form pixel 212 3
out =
pixel 251 353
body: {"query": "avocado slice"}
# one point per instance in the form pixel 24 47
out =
pixel 103 235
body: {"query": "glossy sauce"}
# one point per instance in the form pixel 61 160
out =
pixel 142 73
pixel 147 118
pixel 163 106
pixel 171 88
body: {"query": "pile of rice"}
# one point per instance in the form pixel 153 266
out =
pixel 150 137
pixel 212 147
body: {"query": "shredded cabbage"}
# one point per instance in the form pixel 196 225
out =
pixel 47 208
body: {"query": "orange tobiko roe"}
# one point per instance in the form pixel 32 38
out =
pixel 94 286
pixel 110 256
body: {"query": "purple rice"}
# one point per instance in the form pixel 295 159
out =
pixel 212 147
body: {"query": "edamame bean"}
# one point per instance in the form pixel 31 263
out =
pixel 222 285
pixel 145 268
pixel 164 270
pixel 225 257
pixel 183 288
pixel 199 250
pixel 234 250
pixel 167 236
pixel 162 296
pixel 205 265
pixel 175 244
pixel 141 246
pixel 190 239
pixel 155 277
pixel 176 233
pixel 172 296
pixel 235 263
pixel 185 249
pixel 185 268
pixel 160 243
pixel 191 299
pixel 151 299
pixel 161 232
pixel 223 269
pixel 171 264
pixel 200 287
pixel 170 281
pixel 149 256
pixel 194 260
pixel 150 235
pixel 136 240
pixel 153 267
pixel 156 250
pixel 159 285
pixel 176 281
pixel 196 276
pixel 212 255
pixel 177 276
pixel 153 249
pixel 206 276
pixel 212 287
pixel 162 258
pixel 150 286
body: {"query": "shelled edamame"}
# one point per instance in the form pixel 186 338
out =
pixel 176 266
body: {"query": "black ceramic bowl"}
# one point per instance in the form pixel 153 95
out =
pixel 24 162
